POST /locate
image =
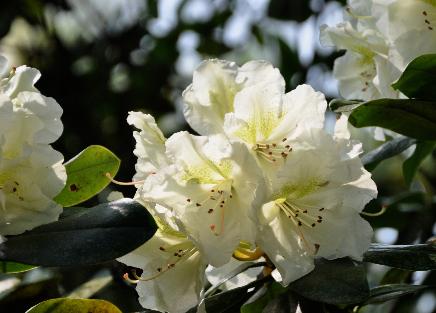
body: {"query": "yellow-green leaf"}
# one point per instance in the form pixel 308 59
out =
pixel 64 305
pixel 87 175
pixel 14 267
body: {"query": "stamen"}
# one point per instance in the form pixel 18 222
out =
pixel 375 214
pixel 108 175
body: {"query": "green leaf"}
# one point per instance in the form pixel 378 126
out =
pixel 231 300
pixel 86 174
pixel 389 292
pixel 86 236
pixel 65 305
pixel 385 151
pixel 14 267
pixel 413 118
pixel 272 298
pixel 421 257
pixel 339 281
pixel 410 166
pixel 239 269
pixel 418 79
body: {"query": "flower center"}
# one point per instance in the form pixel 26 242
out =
pixel 272 152
pixel 302 216
pixel 215 202
pixel 175 253
pixel 9 186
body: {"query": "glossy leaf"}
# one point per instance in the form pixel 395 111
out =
pixel 86 174
pixel 86 236
pixel 14 267
pixel 411 165
pixel 64 305
pixel 388 292
pixel 231 300
pixel 412 118
pixel 339 281
pixel 420 257
pixel 271 298
pixel 385 151
pixel 419 77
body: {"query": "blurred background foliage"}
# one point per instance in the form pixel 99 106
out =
pixel 102 59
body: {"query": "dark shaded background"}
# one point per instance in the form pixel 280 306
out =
pixel 101 59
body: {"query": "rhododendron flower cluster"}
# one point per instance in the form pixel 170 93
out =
pixel 377 37
pixel 261 175
pixel 31 171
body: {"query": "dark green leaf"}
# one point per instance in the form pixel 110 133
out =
pixel 339 281
pixel 101 233
pixel 65 305
pixel 388 292
pixel 421 257
pixel 241 268
pixel 413 118
pixel 231 300
pixel 410 166
pixel 418 80
pixel 271 298
pixel 14 267
pixel 385 151
pixel 86 174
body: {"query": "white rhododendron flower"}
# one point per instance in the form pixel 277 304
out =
pixel 211 187
pixel 28 183
pixel 15 80
pixel 173 268
pixel 214 86
pixel 314 210
pixel 269 121
pixel 376 36
pixel 31 171
pixel 150 145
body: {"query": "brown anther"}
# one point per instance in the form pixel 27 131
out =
pixel 210 211
pixel 427 22
pixel 159 269
pixel 287 146
pixel 284 154
pixel 430 28
pixel 319 217
pixel 270 153
pixel 319 221
pixel 212 227
pixel 198 204
pixel 424 13
pixel 189 200
pixel 14 189
pixel 299 223
pixel 212 190
pixel 274 145
pixel 223 202
pixel 221 206
pixel 161 248
pixel 305 211
pixel 284 139
pixel 322 209
pixel 231 196
pixel 313 225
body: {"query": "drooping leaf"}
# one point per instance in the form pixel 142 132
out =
pixel 14 267
pixel 420 257
pixel 65 305
pixel 271 298
pixel 241 268
pixel 418 79
pixel 86 175
pixel 385 151
pixel 388 292
pixel 88 236
pixel 339 281
pixel 231 300
pixel 412 118
pixel 410 166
